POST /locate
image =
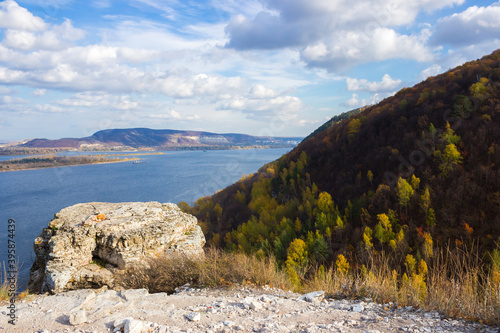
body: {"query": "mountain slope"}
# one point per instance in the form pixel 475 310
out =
pixel 161 139
pixel 417 170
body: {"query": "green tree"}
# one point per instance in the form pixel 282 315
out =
pixel 462 106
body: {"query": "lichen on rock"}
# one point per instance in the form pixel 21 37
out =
pixel 85 244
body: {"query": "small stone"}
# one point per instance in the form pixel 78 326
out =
pixel 313 297
pixel 266 299
pixel 78 317
pixel 193 316
pixel 133 326
pixel 228 323
pixel 255 305
pixel 357 308
pixel 162 329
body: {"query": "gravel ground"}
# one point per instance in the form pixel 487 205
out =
pixel 243 309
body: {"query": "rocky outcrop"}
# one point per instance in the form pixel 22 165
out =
pixel 85 244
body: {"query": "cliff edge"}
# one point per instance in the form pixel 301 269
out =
pixel 85 244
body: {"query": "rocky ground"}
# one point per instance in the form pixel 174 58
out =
pixel 242 309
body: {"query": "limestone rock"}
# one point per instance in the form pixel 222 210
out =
pixel 78 317
pixel 86 243
pixel 313 297
pixel 255 305
pixel 193 316
pixel 357 308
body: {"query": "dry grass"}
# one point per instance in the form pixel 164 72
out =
pixel 163 274
pixel 461 284
pixel 4 287
pixel 4 291
pixel 458 283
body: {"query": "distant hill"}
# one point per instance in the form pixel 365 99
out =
pixel 161 139
pixel 417 170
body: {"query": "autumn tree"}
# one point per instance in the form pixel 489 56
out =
pixel 450 157
pixel 404 193
pixel 324 212
pixel 296 259
pixel 479 89
pixel 369 175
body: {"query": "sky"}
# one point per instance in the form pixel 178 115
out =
pixel 261 67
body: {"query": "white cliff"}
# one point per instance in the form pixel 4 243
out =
pixel 85 244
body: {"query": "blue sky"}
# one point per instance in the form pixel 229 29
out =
pixel 262 67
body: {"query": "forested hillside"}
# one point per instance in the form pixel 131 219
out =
pixel 416 172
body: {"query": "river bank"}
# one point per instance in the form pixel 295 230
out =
pixel 41 162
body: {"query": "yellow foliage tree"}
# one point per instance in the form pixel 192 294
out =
pixel 427 247
pixel 404 192
pixel 342 265
pixel 367 238
pixel 449 159
pixel 410 263
pixel 296 260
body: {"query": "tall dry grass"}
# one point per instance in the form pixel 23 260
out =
pixel 5 284
pixel 458 283
pixel 216 268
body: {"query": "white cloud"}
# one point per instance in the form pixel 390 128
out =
pixel 48 108
pixel 336 34
pixel 12 16
pixel 345 49
pixel 101 3
pixel 19 40
pixel 433 70
pixel 6 91
pixel 387 84
pixel 472 26
pixel 39 92
pixel 355 102
pixel 172 114
pixel 100 99
pixel 286 107
pixel 55 38
pixel 12 100
pixel 259 91
pixel 66 31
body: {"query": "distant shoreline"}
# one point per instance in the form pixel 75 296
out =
pixel 27 166
pixel 16 151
